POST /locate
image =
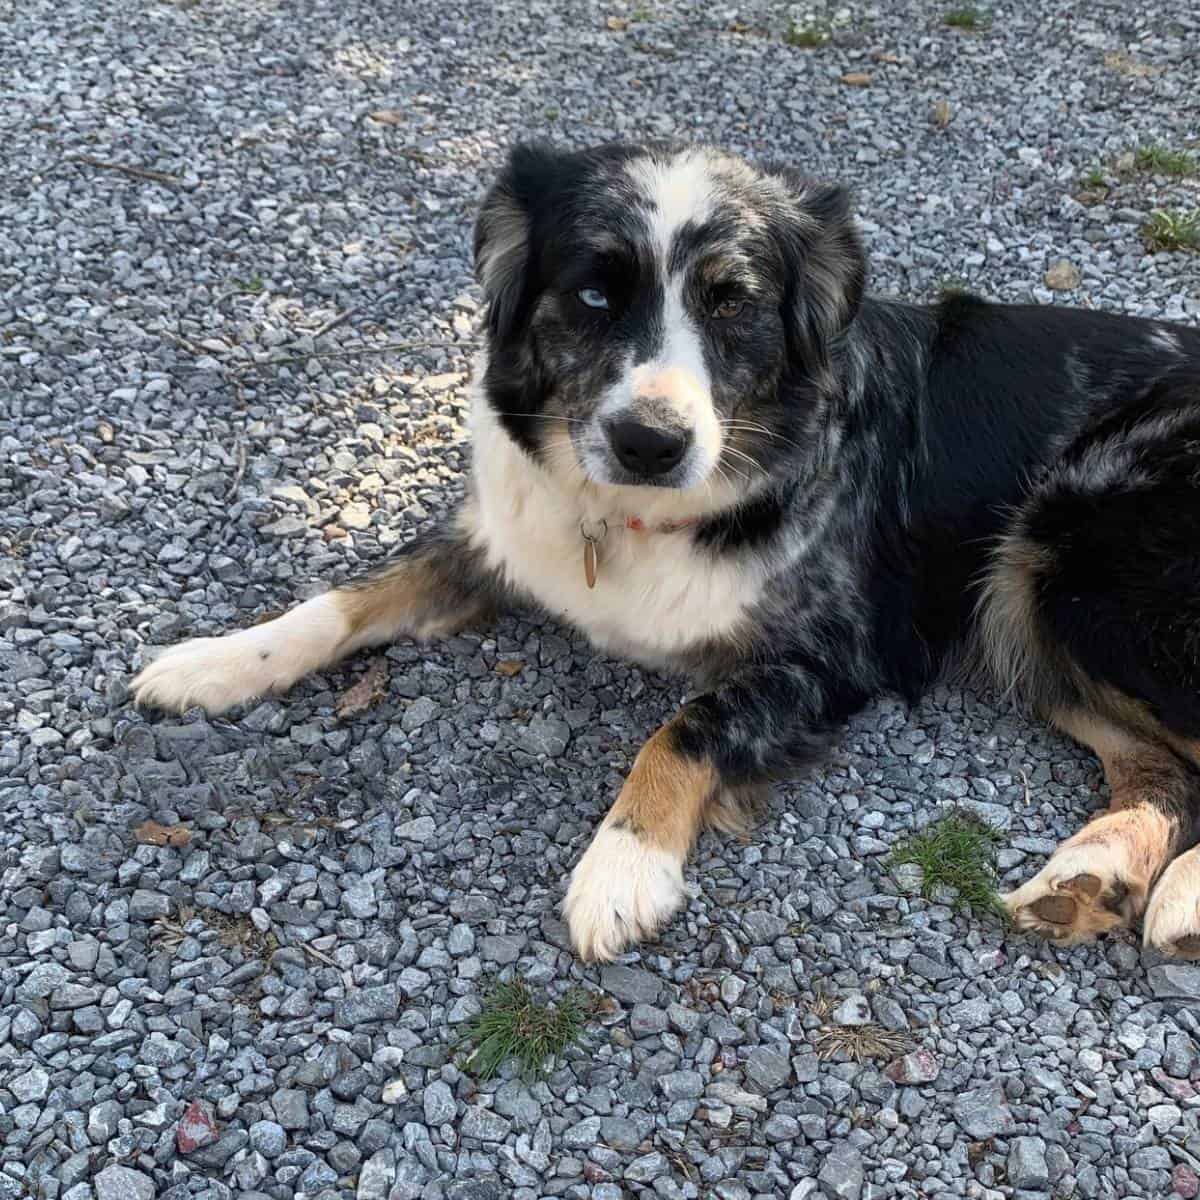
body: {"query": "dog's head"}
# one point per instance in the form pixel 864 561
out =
pixel 662 317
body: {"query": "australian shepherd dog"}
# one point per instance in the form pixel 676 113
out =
pixel 696 439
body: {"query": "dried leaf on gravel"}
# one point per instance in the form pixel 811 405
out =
pixel 151 833
pixel 388 116
pixel 616 24
pixel 943 114
pixel 857 78
pixel 509 667
pixel 369 690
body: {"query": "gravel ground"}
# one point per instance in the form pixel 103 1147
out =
pixel 272 1008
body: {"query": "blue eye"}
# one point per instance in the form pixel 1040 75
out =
pixel 593 298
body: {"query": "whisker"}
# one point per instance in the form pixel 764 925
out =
pixel 542 417
pixel 753 427
pixel 745 458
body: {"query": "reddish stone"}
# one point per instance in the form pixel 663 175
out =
pixel 1186 1182
pixel 918 1067
pixel 196 1128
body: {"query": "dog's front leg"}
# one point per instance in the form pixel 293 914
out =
pixel 709 765
pixel 434 587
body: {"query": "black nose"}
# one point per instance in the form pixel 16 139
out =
pixel 646 450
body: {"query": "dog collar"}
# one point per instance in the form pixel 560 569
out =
pixel 594 532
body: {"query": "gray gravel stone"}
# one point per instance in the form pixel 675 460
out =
pixel 146 905
pixel 1027 1168
pixel 630 985
pixel 768 1069
pixel 482 1123
pixel 376 1175
pixel 983 1112
pixel 646 1021
pixel 647 1168
pixel 841 1174
pixel 854 1010
pixel 30 1086
pixel 1175 981
pixel 368 1004
pixel 123 1183
pixel 102 1121
pixel 291 1108
pixel 268 1138
pixel 681 1085
pixel 439 1105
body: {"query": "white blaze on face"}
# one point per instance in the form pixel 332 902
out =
pixel 675 377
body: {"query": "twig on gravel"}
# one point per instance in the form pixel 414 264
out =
pixel 355 351
pixel 321 956
pixel 419 156
pixel 190 346
pixel 331 325
pixel 239 470
pixel 125 169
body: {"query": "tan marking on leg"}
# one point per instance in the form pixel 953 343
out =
pixel 665 797
pixel 1100 879
pixel 629 881
pixel 410 597
pixel 413 596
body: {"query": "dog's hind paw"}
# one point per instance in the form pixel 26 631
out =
pixel 1090 886
pixel 1172 924
pixel 623 890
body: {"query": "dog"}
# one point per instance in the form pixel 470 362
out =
pixel 698 440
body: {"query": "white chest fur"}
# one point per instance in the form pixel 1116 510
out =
pixel 656 594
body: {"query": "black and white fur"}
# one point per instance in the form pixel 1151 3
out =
pixel 840 496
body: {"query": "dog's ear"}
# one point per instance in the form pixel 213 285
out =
pixel 825 263
pixel 505 234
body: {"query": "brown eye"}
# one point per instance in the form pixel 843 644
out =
pixel 728 309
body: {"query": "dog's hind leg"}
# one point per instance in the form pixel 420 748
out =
pixel 1101 878
pixel 436 586
pixel 1092 609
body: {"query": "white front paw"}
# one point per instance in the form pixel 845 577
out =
pixel 622 891
pixel 209 673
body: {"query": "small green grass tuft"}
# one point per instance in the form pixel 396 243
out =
pixel 1172 229
pixel 1162 160
pixel 513 1026
pixel 1095 178
pixel 967 17
pixel 958 852
pixel 806 37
